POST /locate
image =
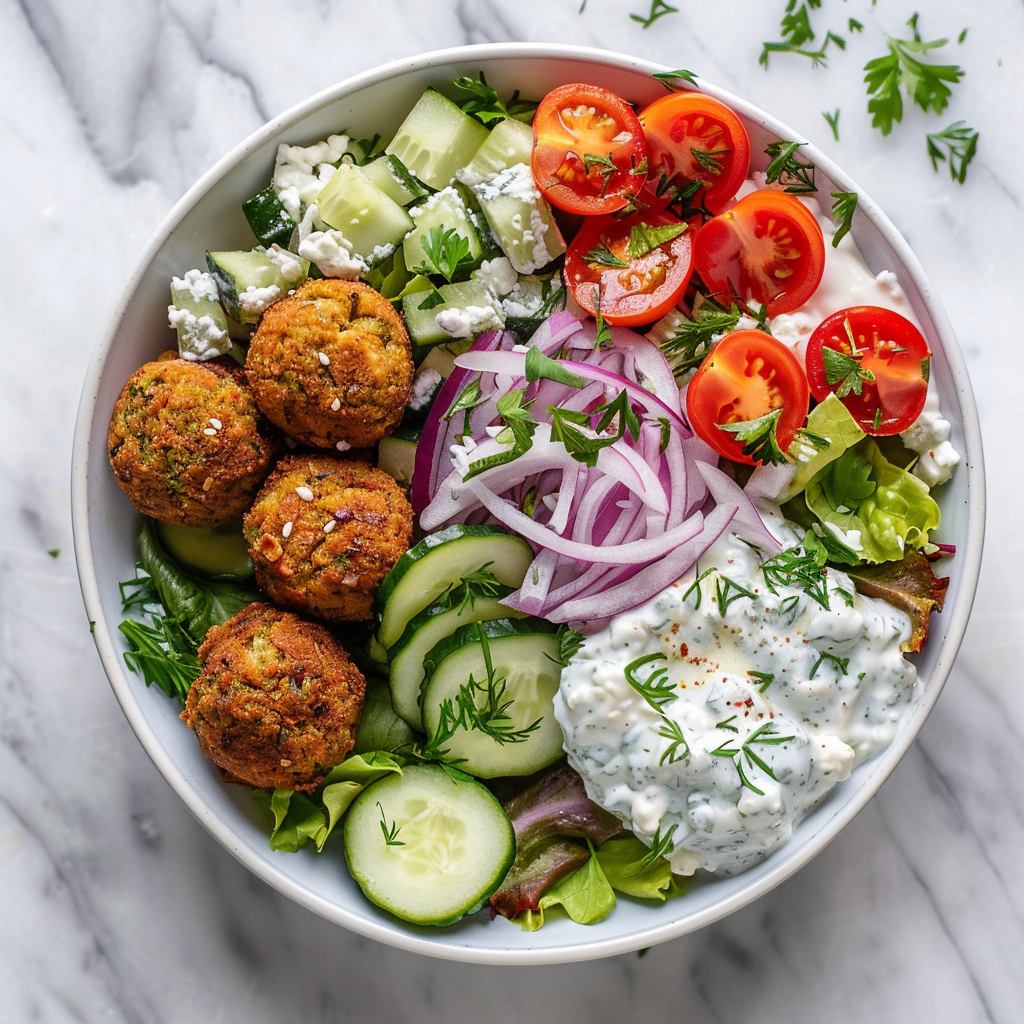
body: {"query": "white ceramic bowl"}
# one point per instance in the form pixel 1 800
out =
pixel 105 525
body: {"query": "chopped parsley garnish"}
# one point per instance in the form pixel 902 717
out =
pixel 539 365
pixel 833 121
pixel 658 10
pixel 844 371
pixel 706 159
pixel 764 678
pixel 486 106
pixel 447 250
pixel 602 256
pixel 842 214
pixel 645 237
pixel 667 78
pixel 434 298
pixel 566 424
pixel 927 84
pixel 760 438
pixel 607 165
pixel 519 430
pixel 961 144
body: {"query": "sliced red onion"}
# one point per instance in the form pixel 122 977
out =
pixel 748 522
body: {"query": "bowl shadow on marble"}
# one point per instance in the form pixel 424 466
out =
pixel 105 526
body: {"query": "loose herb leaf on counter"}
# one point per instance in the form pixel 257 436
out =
pixel 961 145
pixel 658 10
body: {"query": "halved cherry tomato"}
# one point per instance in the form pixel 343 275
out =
pixel 692 137
pixel 589 150
pixel 880 371
pixel 768 247
pixel 746 376
pixel 633 289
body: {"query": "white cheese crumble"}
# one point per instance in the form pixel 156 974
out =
pixel 198 284
pixel 928 435
pixel 470 320
pixel 301 171
pixel 199 338
pixel 497 275
pixel 332 254
pixel 515 181
pixel 256 300
pixel 423 385
pixel 290 268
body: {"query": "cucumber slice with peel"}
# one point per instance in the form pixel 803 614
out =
pixel 251 281
pixel 430 567
pixel 510 143
pixel 369 219
pixel 423 633
pixel 218 551
pixel 450 847
pixel 510 669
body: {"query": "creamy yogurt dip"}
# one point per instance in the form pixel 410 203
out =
pixel 766 699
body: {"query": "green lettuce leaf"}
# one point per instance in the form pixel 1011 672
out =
pixel 830 431
pixel 299 818
pixel 621 859
pixel 862 492
pixel 585 895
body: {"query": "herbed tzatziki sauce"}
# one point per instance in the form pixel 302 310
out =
pixel 762 699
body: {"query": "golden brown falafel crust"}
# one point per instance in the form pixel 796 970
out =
pixel 170 456
pixel 358 395
pixel 327 555
pixel 277 702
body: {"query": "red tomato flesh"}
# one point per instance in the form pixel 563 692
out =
pixel 692 137
pixel 768 248
pixel 589 151
pixel 893 360
pixel 747 375
pixel 640 290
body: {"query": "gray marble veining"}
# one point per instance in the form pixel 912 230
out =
pixel 115 905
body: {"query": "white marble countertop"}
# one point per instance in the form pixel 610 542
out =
pixel 115 905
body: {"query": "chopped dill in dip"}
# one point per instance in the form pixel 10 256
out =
pixel 713 717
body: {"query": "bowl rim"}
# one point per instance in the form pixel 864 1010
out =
pixel 393 933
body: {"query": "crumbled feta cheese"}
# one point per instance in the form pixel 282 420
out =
pixel 423 385
pixel 288 266
pixel 256 300
pixel 301 171
pixel 198 283
pixel 332 254
pixel 887 279
pixel 928 435
pixel 515 181
pixel 380 254
pixel 462 323
pixel 498 276
pixel 199 338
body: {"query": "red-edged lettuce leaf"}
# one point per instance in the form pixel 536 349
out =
pixel 909 585
pixel 546 817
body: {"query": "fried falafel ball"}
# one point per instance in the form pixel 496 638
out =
pixel 324 531
pixel 331 364
pixel 187 443
pixel 277 701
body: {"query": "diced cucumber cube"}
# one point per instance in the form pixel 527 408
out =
pixel 196 314
pixel 466 310
pixel 368 218
pixel 436 139
pixel 446 211
pixel 520 218
pixel 268 218
pixel 392 177
pixel 251 281
pixel 510 143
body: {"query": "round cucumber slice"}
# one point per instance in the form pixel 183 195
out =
pixel 211 550
pixel 509 664
pixel 429 568
pixel 424 631
pixel 451 844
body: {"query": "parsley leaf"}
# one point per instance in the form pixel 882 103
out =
pixel 842 214
pixel 961 143
pixel 645 237
pixel 519 430
pixel 447 251
pixel 845 371
pixel 927 84
pixel 434 298
pixel 760 437
pixel 485 105
pixel 539 365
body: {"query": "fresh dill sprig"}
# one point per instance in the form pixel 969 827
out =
pixel 478 583
pixel 657 689
pixel 786 169
pixel 661 846
pixel 727 591
pixel 607 165
pixel 764 678
pixel 696 588
pixel 763 734
pixel 841 664
pixel 678 749
pixel 390 831
pixel 795 568
pixel 602 256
